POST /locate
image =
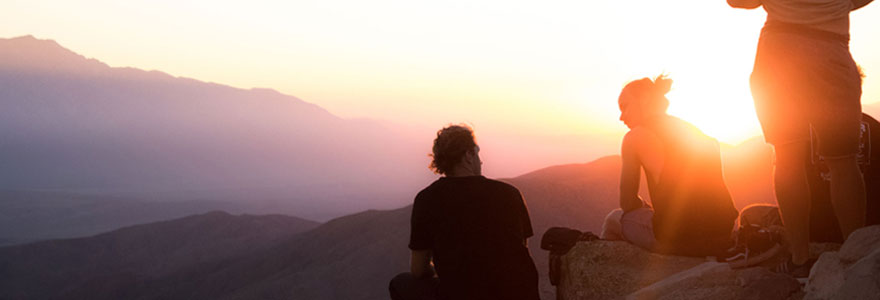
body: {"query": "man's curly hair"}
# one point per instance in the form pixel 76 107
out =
pixel 450 146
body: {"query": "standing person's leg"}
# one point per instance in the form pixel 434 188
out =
pixel 837 124
pixel 780 87
pixel 793 195
pixel 847 193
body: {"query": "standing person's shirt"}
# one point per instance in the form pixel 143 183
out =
pixel 826 15
pixel 475 228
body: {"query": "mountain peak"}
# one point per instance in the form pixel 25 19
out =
pixel 28 52
pixel 32 39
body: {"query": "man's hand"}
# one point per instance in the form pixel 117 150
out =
pixel 420 264
pixel 749 4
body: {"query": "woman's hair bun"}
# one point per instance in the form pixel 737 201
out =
pixel 662 84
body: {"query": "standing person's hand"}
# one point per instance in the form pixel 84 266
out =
pixel 750 4
pixel 859 3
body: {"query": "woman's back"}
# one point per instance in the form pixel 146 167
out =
pixel 691 201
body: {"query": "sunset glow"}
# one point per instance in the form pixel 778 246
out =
pixel 513 69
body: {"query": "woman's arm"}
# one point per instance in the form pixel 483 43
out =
pixel 860 3
pixel 630 173
pixel 747 4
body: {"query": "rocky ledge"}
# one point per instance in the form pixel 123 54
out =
pixel 618 270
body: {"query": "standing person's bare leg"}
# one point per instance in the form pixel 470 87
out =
pixel 847 193
pixel 793 195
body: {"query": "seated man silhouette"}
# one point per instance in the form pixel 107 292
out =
pixel 472 228
pixel 691 213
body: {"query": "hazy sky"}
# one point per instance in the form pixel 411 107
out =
pixel 529 71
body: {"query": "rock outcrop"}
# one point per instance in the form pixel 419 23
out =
pixel 618 270
pixel 612 269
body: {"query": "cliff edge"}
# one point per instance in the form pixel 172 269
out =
pixel 618 270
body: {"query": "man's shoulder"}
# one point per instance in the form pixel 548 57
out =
pixel 503 187
pixel 431 188
pixel 501 184
pixel 483 182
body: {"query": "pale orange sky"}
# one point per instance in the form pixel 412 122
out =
pixel 522 72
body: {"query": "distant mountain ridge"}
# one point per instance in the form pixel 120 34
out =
pixel 28 216
pixel 74 124
pixel 353 257
pixel 115 262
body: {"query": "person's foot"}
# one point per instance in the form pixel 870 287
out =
pixel 795 270
pixel 733 254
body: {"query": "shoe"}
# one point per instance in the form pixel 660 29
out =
pixel 795 270
pixel 733 254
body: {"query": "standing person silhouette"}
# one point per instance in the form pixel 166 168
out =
pixel 804 79
pixel 691 211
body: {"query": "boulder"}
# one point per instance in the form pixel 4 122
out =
pixel 760 283
pixel 618 270
pixel 717 281
pixel 614 269
pixel 708 280
pixel 860 243
pixel 862 279
pixel 851 273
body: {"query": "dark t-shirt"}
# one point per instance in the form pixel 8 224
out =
pixel 475 228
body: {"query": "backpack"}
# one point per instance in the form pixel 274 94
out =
pixel 558 240
pixel 757 237
pixel 755 231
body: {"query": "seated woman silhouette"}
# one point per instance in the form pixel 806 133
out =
pixel 691 212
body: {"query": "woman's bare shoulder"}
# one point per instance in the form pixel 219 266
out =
pixel 640 140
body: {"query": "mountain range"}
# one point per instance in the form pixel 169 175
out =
pixel 75 125
pixel 87 148
pixel 351 257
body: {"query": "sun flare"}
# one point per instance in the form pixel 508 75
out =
pixel 725 113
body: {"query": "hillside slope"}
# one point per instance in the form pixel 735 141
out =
pixel 353 257
pixel 111 265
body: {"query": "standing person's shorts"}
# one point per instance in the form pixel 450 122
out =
pixel 802 80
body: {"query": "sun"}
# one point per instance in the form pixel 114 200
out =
pixel 722 110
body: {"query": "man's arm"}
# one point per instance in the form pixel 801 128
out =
pixel 747 4
pixel 630 174
pixel 860 3
pixel 420 264
pixel 525 222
